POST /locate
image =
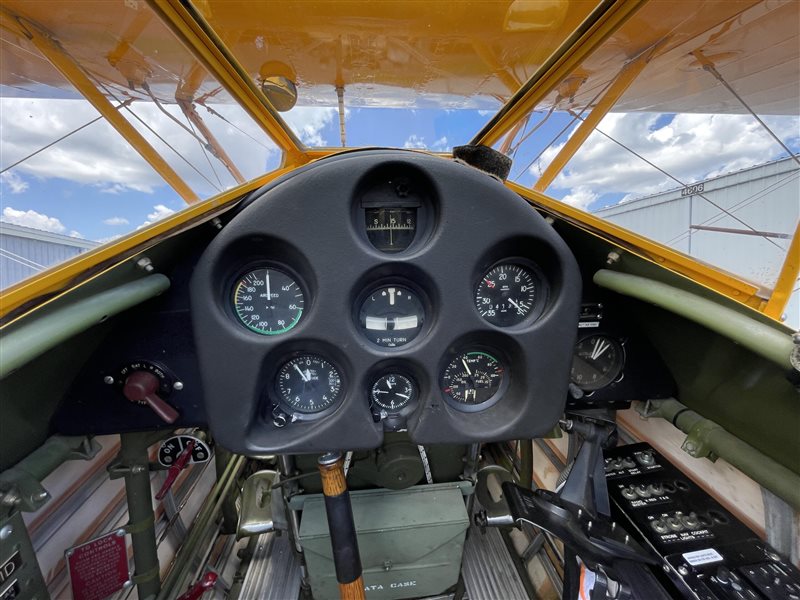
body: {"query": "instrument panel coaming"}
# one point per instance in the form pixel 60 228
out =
pixel 331 229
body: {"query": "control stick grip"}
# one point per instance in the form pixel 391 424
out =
pixel 142 387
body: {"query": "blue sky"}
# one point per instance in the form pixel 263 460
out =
pixel 95 186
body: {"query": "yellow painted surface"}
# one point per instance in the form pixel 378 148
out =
pixel 64 276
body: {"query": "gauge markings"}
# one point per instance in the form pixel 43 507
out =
pixel 268 301
pixel 506 294
pixel 308 383
pixel 473 378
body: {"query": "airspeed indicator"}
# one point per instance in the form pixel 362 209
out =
pixel 268 301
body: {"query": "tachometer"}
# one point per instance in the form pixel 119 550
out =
pixel 506 294
pixel 473 378
pixel 308 384
pixel 268 301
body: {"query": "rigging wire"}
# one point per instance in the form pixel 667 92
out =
pixel 525 136
pixel 100 84
pixel 679 182
pixel 709 68
pixel 741 204
pixel 33 266
pixel 63 137
pixel 158 104
pixel 242 131
pixel 205 153
pixel 575 117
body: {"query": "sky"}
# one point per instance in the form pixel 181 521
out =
pixel 95 186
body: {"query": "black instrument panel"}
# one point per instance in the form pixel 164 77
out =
pixel 399 258
pixel 387 322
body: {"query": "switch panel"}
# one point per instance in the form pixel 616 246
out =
pixel 708 553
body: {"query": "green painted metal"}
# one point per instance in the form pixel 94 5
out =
pixel 24 342
pixel 20 577
pixel 134 462
pixel 757 337
pixel 411 541
pixel 708 439
pixel 22 482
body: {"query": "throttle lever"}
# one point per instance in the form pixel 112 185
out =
pixel 198 589
pixel 176 468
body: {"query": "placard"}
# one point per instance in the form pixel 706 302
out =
pixel 99 567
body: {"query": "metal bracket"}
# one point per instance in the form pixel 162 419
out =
pixel 696 442
pixel 20 486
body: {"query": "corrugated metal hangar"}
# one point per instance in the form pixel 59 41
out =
pixel 742 222
pixel 25 251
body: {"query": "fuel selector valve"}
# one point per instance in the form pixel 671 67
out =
pixel 146 383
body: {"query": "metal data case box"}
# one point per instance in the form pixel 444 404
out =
pixel 411 541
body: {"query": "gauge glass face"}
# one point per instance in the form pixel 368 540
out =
pixel 392 392
pixel 308 384
pixel 391 229
pixel 596 362
pixel 473 378
pixel 391 316
pixel 506 294
pixel 268 301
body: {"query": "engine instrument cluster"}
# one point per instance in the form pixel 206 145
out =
pixel 391 305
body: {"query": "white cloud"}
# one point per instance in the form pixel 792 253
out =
pixel 99 156
pixel 580 197
pixel 75 234
pixel 308 123
pixel 116 221
pixel 33 219
pixel 159 212
pixel 14 181
pixel 691 147
pixel 417 142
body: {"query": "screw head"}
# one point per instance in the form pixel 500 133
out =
pixel 6 532
pixel 108 380
pixel 683 570
pixel 177 386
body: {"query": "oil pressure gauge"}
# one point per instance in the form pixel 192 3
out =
pixel 473 380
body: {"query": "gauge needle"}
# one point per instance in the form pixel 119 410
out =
pixel 520 309
pixel 599 347
pixel 466 366
pixel 402 395
pixel 269 292
pixel 303 375
pixel 388 384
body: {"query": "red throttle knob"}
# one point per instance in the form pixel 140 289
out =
pixel 141 387
pixel 198 589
